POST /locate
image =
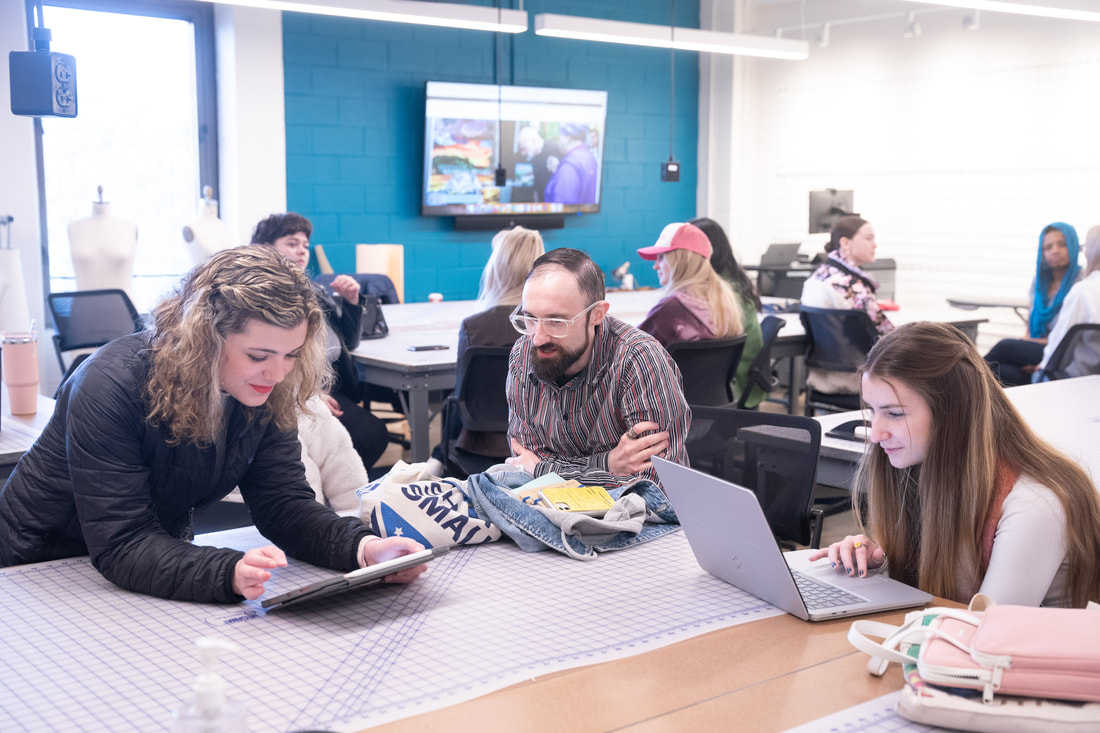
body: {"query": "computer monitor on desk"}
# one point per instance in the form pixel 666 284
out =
pixel 781 272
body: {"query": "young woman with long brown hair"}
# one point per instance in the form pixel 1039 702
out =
pixel 963 496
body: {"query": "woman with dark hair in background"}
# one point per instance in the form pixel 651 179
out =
pixel 1056 270
pixel 840 283
pixel 725 264
pixel 289 234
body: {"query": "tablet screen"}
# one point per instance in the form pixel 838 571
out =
pixel 354 579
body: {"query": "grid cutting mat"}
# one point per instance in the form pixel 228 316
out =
pixel 81 654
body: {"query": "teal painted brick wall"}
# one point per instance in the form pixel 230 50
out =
pixel 355 133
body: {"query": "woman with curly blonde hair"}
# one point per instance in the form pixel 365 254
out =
pixel 160 423
pixel 964 497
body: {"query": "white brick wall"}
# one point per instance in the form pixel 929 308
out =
pixel 960 146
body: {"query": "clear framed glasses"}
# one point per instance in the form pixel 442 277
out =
pixel 554 327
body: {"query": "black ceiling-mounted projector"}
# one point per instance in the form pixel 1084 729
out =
pixel 43 82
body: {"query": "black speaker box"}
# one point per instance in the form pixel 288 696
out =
pixel 43 83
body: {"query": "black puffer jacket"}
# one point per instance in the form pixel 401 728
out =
pixel 101 481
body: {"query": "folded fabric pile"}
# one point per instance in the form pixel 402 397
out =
pixel 439 512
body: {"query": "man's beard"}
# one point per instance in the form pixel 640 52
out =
pixel 552 368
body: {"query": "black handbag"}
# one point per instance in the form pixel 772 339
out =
pixel 373 322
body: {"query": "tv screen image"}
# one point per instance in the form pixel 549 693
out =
pixel 548 141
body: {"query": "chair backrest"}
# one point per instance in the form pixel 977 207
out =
pixel 322 260
pixel 370 283
pixel 837 340
pixel 90 318
pixel 760 371
pixel 387 259
pixel 708 367
pixel 1076 355
pixel 885 271
pixel 773 454
pixel 482 402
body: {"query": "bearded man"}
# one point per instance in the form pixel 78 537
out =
pixel 589 396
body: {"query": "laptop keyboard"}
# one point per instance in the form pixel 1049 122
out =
pixel 819 595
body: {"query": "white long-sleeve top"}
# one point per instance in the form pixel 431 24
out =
pixel 333 469
pixel 1028 566
pixel 1082 305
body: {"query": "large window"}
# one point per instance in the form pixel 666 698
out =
pixel 144 133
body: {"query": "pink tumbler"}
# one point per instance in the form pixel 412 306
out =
pixel 20 354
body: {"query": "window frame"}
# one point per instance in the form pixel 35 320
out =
pixel 201 16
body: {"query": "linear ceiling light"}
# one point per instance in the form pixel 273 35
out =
pixel 997 6
pixel 662 36
pixel 448 15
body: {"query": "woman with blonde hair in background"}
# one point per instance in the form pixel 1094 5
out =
pixel 964 497
pixel 697 303
pixel 514 252
pixel 160 423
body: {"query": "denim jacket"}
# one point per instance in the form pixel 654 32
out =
pixel 532 528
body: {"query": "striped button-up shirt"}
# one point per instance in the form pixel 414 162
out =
pixel 630 378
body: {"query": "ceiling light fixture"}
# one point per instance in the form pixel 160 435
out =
pixel 658 36
pixel 821 38
pixel 447 15
pixel 999 6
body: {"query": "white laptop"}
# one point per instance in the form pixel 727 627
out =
pixel 731 539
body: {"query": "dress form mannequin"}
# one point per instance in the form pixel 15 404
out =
pixel 207 234
pixel 103 249
pixel 14 313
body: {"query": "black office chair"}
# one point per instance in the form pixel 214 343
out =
pixel 1076 355
pixel 708 367
pixel 836 340
pixel 761 373
pixel 481 403
pixel 773 454
pixel 89 319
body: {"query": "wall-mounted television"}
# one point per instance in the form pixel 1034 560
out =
pixel 828 207
pixel 548 143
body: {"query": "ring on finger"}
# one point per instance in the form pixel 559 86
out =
pixel 632 435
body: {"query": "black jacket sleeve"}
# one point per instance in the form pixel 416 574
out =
pixel 285 510
pixel 115 504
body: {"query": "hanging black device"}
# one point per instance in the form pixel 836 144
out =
pixel 43 82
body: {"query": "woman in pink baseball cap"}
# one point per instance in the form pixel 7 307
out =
pixel 698 304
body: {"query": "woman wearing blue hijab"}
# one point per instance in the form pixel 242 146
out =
pixel 1056 270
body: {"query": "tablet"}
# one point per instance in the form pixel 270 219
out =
pixel 354 579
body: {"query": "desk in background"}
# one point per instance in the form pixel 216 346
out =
pixel 18 432
pixel 389 362
pixel 1021 306
pixel 1065 413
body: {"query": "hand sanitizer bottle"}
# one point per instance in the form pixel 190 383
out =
pixel 210 711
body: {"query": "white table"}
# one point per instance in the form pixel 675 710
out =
pixel 1065 413
pixel 389 362
pixel 18 432
pixel 1022 306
